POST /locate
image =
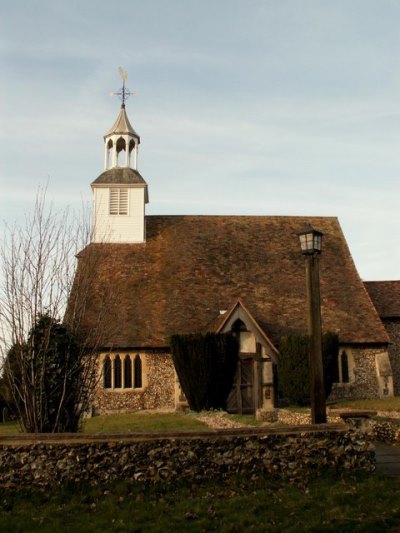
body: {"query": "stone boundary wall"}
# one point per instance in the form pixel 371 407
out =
pixel 387 431
pixel 292 454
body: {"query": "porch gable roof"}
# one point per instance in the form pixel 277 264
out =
pixel 256 328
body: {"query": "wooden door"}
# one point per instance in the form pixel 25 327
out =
pixel 241 398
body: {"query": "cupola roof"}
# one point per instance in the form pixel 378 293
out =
pixel 122 125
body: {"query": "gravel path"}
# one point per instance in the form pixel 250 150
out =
pixel 219 420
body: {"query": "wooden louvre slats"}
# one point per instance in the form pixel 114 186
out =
pixel 118 201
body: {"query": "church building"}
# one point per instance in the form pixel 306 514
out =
pixel 155 276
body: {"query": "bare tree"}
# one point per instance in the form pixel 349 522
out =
pixel 37 286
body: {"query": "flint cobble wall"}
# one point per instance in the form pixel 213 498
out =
pixel 378 430
pixel 365 384
pixel 291 455
pixel 158 391
pixel 392 326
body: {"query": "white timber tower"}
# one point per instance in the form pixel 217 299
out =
pixel 120 193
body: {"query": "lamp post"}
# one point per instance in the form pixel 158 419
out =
pixel 311 246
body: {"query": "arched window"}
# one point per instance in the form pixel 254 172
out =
pixel 122 372
pixel 132 161
pixel 137 372
pixel 117 372
pixel 107 372
pixel 345 367
pixel 109 154
pixel 121 147
pixel 127 372
pixel 246 338
pixel 238 326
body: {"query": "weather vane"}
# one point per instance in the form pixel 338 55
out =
pixel 124 92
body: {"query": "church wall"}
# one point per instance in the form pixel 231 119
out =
pixel 367 381
pixel 160 384
pixel 392 326
pixel 119 228
pixel 370 375
pixel 158 390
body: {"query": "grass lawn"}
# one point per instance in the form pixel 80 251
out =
pixel 133 422
pixel 346 504
pixel 141 422
pixel 148 421
pixel 385 404
pixel 129 422
pixel 7 428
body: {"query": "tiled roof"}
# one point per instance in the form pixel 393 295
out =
pixel 120 176
pixel 192 267
pixel 386 297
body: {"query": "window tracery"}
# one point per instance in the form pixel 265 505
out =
pixel 123 373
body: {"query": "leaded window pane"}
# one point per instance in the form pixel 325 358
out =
pixel 138 372
pixel 117 372
pixel 127 372
pixel 107 373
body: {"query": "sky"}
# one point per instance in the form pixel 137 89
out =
pixel 256 107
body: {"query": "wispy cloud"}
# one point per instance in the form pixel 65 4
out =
pixel 260 107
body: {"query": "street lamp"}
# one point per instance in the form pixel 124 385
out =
pixel 311 247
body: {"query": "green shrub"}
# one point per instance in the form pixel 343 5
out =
pixel 294 366
pixel 205 365
pixel 44 377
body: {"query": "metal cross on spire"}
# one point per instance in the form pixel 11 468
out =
pixel 124 92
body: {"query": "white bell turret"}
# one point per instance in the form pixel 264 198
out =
pixel 121 144
pixel 120 192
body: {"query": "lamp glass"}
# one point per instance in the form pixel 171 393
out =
pixel 310 241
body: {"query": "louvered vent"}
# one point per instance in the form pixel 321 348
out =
pixel 118 201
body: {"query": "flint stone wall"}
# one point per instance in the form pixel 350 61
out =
pixel 292 454
pixel 392 326
pixel 158 391
pixel 365 383
pixel 387 431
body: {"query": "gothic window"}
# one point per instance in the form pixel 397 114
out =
pixel 137 372
pixel 107 372
pixel 122 372
pixel 118 204
pixel 117 372
pixel 246 338
pixel 127 372
pixel 344 363
pixel 238 326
